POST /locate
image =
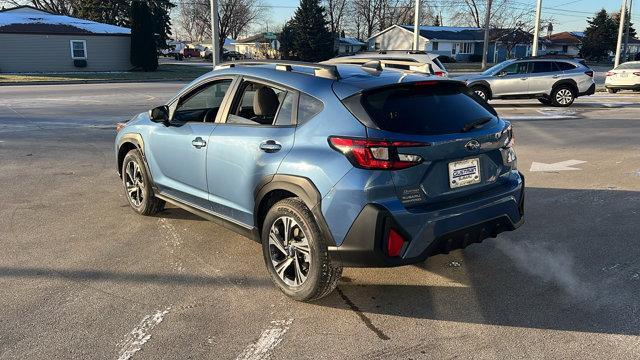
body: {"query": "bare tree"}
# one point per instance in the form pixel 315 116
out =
pixel 336 11
pixel 236 18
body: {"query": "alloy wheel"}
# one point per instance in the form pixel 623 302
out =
pixel 289 251
pixel 134 183
pixel 564 96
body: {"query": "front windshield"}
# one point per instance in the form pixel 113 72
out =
pixel 494 68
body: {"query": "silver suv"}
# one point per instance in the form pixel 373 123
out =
pixel 555 82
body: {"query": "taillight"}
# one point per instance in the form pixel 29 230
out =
pixel 440 73
pixel 510 140
pixel 395 242
pixel 376 154
pixel 589 73
pixel 610 73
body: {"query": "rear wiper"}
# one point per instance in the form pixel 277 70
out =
pixel 477 123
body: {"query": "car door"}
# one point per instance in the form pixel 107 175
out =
pixel 177 153
pixel 248 146
pixel 542 77
pixel 511 80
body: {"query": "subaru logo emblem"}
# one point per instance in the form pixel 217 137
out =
pixel 472 145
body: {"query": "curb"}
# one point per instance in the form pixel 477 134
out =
pixel 90 81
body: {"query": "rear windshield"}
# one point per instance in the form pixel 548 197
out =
pixel 427 108
pixel 628 66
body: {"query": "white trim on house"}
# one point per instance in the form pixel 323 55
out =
pixel 389 28
pixel 84 48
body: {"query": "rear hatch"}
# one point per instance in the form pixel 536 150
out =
pixel 459 145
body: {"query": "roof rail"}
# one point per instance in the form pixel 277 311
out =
pixel 320 70
pixel 383 63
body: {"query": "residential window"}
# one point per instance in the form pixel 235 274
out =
pixel 377 46
pixel 78 49
pixel 465 48
pixel 434 46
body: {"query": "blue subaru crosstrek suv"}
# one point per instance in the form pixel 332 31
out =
pixel 328 166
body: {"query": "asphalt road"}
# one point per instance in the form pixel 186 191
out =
pixel 82 276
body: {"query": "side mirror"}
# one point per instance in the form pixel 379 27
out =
pixel 160 114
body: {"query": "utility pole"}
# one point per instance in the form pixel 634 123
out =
pixel 485 49
pixel 215 37
pixel 416 27
pixel 623 13
pixel 536 31
pixel 626 34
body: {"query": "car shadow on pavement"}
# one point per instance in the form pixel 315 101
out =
pixel 79 275
pixel 574 265
pixel 176 213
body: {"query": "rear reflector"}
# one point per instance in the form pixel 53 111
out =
pixel 394 243
pixel 589 73
pixel 376 154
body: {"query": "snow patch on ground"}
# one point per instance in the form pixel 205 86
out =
pixel 269 339
pixel 134 341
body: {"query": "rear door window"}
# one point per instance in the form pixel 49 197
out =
pixel 429 108
pixel 543 67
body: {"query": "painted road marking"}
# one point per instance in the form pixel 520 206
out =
pixel 133 342
pixel 559 166
pixel 269 339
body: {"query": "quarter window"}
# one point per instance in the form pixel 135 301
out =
pixel 308 108
pixel 565 65
pixel 78 49
pixel 434 46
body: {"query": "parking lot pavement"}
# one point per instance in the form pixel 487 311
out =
pixel 82 276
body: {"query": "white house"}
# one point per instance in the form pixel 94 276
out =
pixel 349 45
pixel 460 43
pixel 259 46
pixel 564 43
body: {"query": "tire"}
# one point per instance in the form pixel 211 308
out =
pixel 544 101
pixel 612 91
pixel 563 96
pixel 481 91
pixel 307 271
pixel 137 185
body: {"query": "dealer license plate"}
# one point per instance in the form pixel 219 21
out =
pixel 464 172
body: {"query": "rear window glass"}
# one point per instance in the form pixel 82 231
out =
pixel 629 66
pixel 425 108
pixel 565 65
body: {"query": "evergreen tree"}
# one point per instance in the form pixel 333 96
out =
pixel 616 20
pixel 144 52
pixel 286 41
pixel 600 37
pixel 310 38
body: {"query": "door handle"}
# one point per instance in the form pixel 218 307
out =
pixel 198 143
pixel 270 146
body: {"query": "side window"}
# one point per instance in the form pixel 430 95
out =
pixel 257 104
pixel 543 67
pixel 308 108
pixel 203 103
pixel 517 68
pixel 286 110
pixel 565 65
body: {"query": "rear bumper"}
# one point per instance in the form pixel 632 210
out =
pixel 623 87
pixel 590 91
pixel 429 233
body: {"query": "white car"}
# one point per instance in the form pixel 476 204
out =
pixel 408 60
pixel 625 77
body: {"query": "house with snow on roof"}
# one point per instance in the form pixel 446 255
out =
pixel 463 44
pixel 34 40
pixel 348 45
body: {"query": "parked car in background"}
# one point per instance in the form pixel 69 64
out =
pixel 226 55
pixel 328 166
pixel 555 82
pixel 190 52
pixel 624 77
pixel 422 61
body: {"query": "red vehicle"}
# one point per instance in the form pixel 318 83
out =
pixel 190 52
